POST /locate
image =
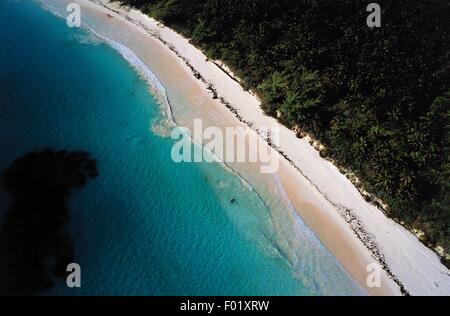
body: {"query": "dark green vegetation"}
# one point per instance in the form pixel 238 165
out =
pixel 34 248
pixel 377 98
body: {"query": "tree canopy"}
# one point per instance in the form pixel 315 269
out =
pixel 378 99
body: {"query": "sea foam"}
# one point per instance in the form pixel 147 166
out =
pixel 281 237
pixel 158 90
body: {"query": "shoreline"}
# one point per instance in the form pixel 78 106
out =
pixel 324 198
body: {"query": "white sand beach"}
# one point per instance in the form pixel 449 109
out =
pixel 356 232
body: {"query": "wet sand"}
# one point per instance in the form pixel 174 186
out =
pixel 354 231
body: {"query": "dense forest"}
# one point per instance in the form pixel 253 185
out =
pixel 378 99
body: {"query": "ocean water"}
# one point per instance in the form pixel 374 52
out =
pixel 146 225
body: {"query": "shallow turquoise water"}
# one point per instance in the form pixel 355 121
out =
pixel 146 226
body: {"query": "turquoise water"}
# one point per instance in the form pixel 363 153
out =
pixel 146 226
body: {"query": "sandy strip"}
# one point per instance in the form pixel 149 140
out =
pixel 356 232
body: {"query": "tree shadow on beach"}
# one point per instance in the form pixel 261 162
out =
pixel 35 248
